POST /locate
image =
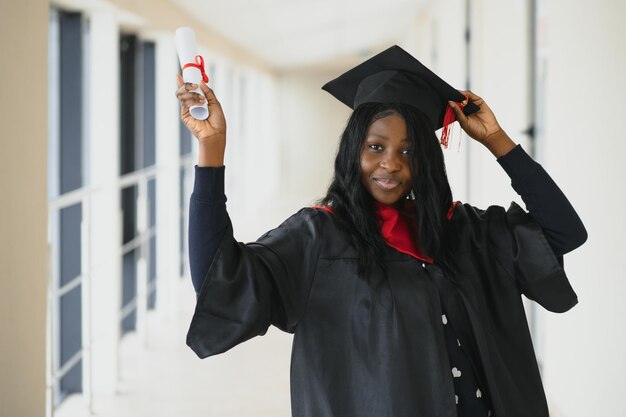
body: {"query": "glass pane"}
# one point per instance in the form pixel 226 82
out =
pixel 71 101
pixel 72 382
pixel 152 274
pixel 151 202
pixel 128 142
pixel 129 290
pixel 129 213
pixel 149 105
pixel 70 326
pixel 69 243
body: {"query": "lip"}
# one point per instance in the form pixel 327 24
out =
pixel 386 184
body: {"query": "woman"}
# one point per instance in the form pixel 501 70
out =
pixel 402 302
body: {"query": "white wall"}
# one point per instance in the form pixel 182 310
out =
pixel 499 74
pixel 584 148
pixel 311 123
pixel 282 159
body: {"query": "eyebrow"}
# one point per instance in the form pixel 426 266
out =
pixel 384 137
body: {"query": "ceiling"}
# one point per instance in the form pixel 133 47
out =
pixel 290 34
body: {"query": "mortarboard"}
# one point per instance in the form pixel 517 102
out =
pixel 395 76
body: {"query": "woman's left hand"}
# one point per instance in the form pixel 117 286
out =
pixel 483 127
pixel 480 126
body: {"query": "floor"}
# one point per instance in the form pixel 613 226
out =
pixel 167 379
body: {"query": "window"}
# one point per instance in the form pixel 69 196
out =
pixel 66 144
pixel 137 159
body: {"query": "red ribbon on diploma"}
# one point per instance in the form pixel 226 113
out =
pixel 200 65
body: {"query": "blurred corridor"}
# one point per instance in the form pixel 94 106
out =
pixel 96 171
pixel 162 377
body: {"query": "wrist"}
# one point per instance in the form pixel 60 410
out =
pixel 499 143
pixel 211 153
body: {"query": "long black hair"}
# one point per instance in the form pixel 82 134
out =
pixel 354 206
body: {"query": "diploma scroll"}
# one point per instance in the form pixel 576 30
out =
pixel 192 65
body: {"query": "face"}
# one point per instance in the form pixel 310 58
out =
pixel 385 170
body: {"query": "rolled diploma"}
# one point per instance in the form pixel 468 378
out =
pixel 187 51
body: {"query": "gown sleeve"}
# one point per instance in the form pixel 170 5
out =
pixel 208 221
pixel 545 201
pixel 530 245
pixel 249 286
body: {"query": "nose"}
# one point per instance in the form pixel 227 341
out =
pixel 390 162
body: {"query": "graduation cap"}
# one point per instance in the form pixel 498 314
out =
pixel 395 76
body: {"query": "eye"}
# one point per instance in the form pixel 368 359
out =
pixel 374 146
pixel 406 152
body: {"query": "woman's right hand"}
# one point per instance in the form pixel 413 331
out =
pixel 210 131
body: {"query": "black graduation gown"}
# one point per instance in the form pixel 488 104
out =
pixel 365 350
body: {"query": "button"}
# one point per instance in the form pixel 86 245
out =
pixel 423 265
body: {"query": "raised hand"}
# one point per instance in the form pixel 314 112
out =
pixel 483 127
pixel 211 129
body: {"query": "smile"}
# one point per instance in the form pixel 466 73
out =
pixel 386 183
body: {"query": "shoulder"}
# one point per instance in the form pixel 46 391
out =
pixel 492 223
pixel 304 221
pixel 310 229
pixel 304 215
pixel 460 212
pixel 311 223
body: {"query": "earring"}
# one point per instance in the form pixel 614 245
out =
pixel 410 196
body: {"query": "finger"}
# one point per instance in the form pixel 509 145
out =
pixel 187 100
pixel 184 112
pixel 212 102
pixel 186 87
pixel 475 98
pixel 190 95
pixel 460 116
pixel 191 99
pixel 190 104
pixel 182 90
pixel 191 86
pixel 208 92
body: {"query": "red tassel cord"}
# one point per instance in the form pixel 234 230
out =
pixel 448 118
pixel 200 65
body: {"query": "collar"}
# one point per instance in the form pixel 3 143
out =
pixel 399 228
